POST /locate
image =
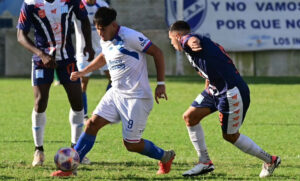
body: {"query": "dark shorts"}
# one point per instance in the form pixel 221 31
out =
pixel 232 107
pixel 41 75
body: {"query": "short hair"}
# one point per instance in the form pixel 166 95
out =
pixel 181 26
pixel 104 16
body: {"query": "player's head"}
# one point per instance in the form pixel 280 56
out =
pixel 176 31
pixel 90 2
pixel 105 22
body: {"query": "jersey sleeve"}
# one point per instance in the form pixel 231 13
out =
pixel 24 22
pixel 79 10
pixel 138 41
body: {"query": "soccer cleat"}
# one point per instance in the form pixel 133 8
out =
pixel 200 169
pixel 166 163
pixel 268 168
pixel 38 158
pixel 85 161
pixel 60 173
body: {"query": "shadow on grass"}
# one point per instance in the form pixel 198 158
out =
pixel 4 177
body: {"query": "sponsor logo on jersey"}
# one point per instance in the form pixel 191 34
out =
pixel 53 11
pixel 144 41
pixel 42 13
pixel 194 12
pixel 64 9
pixel 81 6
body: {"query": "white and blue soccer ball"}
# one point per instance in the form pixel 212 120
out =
pixel 66 159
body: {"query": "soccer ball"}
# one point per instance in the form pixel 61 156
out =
pixel 66 159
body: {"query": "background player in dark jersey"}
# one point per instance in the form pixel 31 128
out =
pixel 51 20
pixel 225 91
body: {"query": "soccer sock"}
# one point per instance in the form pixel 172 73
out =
pixel 152 151
pixel 84 144
pixel 84 99
pixel 248 146
pixel 38 127
pixel 196 134
pixel 76 122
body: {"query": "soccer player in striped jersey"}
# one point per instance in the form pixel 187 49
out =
pixel 225 92
pixel 91 6
pixel 130 99
pixel 52 49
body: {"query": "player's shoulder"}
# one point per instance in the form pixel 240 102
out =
pixel 128 32
pixel 33 2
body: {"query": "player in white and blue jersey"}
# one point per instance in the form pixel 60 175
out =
pixel 91 6
pixel 52 49
pixel 130 99
pixel 225 92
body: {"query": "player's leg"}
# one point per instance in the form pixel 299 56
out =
pixel 232 117
pixel 106 108
pixel 202 106
pixel 41 80
pixel 134 114
pixel 81 64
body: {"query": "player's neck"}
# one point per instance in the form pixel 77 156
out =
pixel 50 1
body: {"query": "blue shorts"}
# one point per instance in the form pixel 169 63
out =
pixel 232 107
pixel 42 75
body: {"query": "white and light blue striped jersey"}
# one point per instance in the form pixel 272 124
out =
pixel 80 42
pixel 126 60
pixel 52 24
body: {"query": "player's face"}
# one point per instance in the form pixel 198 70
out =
pixel 106 32
pixel 175 40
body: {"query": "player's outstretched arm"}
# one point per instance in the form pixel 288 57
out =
pixel 86 31
pixel 156 53
pixel 97 63
pixel 25 41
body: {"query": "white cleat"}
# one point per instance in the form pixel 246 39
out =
pixel 268 168
pixel 38 158
pixel 85 161
pixel 200 169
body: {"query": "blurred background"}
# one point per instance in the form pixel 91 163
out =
pixel 261 36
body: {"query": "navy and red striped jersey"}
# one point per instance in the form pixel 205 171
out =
pixel 52 24
pixel 215 65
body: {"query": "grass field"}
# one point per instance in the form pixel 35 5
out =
pixel 272 122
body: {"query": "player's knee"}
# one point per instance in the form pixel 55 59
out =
pixel 231 137
pixel 92 126
pixel 132 147
pixel 40 104
pixel 189 119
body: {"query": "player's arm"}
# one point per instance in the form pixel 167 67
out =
pixel 206 83
pixel 194 44
pixel 157 54
pixel 25 41
pixel 86 30
pixel 97 63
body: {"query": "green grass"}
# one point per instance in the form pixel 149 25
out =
pixel 272 122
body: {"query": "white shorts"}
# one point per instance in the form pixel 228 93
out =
pixel 82 63
pixel 132 112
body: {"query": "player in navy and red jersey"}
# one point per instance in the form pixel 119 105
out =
pixel 51 21
pixel 225 91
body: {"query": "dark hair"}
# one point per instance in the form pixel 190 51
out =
pixel 180 26
pixel 104 16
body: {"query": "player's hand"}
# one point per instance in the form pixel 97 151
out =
pixel 90 51
pixel 194 44
pixel 48 61
pixel 160 93
pixel 76 75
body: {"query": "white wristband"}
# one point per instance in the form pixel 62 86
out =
pixel 160 83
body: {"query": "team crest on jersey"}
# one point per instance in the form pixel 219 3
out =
pixel 53 11
pixel 42 13
pixel 64 9
pixel 194 12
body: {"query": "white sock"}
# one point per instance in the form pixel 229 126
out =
pixel 197 137
pixel 38 127
pixel 248 146
pixel 76 122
